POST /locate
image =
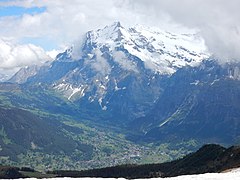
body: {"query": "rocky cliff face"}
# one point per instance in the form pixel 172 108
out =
pixel 199 103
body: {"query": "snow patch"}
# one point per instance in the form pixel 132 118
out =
pixel 104 108
pixel 196 82
pixel 116 88
pixel 76 90
pixel 215 80
pixel 69 90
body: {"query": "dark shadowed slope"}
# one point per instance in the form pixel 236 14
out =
pixel 209 158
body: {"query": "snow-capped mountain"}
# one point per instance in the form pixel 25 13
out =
pixel 161 51
pixel 24 73
pixel 119 69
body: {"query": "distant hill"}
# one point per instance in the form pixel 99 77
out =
pixel 21 130
pixel 208 159
pixel 27 137
pixel 7 172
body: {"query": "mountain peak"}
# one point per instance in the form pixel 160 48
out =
pixel 114 27
pixel 117 30
pixel 160 51
pixel 117 25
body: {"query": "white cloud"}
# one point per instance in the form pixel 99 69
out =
pixel 53 53
pixel 65 21
pixel 217 20
pixel 101 65
pixel 13 56
pixel 121 59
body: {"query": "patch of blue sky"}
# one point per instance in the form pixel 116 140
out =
pixel 19 11
pixel 45 42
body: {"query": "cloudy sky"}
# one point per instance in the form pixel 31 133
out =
pixel 33 31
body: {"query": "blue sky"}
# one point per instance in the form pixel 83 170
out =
pixel 44 42
pixel 19 11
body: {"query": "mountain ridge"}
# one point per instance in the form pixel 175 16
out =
pixel 118 64
pixel 209 158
